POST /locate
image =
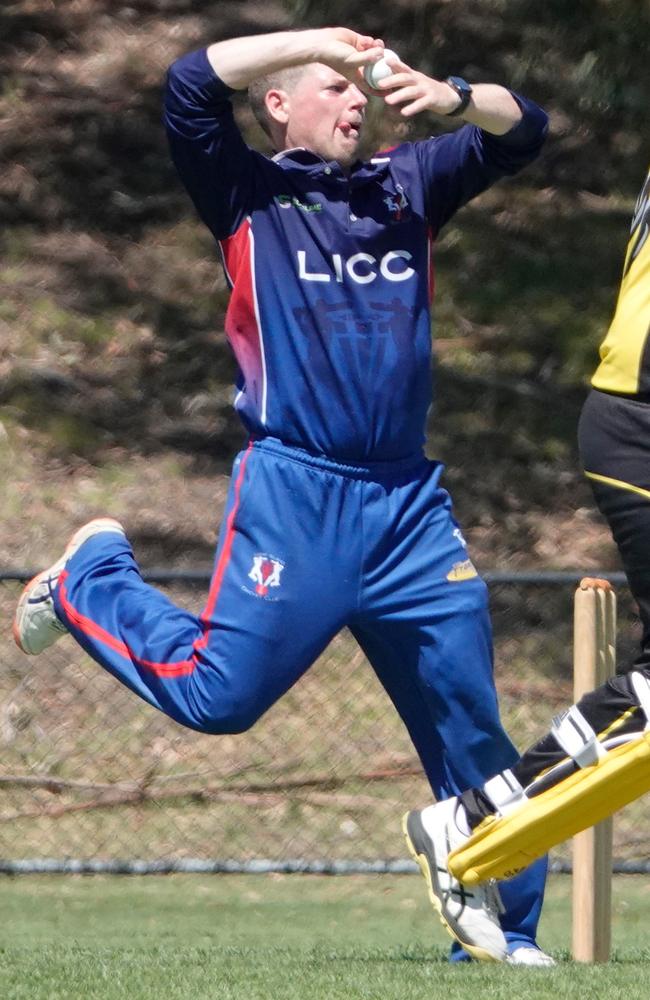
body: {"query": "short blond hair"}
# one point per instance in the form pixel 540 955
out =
pixel 281 79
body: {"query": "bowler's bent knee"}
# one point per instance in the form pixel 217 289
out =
pixel 227 715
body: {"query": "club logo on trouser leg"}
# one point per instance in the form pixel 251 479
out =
pixel 265 573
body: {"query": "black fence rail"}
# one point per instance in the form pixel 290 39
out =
pixel 92 779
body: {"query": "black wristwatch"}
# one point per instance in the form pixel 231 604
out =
pixel 464 91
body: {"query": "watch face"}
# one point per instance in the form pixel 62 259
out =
pixel 464 91
pixel 461 85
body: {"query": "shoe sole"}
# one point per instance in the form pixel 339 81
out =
pixel 76 540
pixel 531 965
pixel 413 834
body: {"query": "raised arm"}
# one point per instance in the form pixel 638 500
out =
pixel 239 61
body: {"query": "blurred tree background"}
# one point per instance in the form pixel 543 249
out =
pixel 115 377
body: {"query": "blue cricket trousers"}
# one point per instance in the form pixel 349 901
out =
pixel 308 546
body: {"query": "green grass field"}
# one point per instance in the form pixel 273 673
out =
pixel 282 937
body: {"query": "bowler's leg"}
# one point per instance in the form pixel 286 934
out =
pixel 440 681
pixel 427 634
pixel 268 614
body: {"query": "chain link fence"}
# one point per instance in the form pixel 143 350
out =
pixel 93 779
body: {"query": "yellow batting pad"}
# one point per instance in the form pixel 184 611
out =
pixel 502 846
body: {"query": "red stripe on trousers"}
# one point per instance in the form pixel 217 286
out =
pixel 181 667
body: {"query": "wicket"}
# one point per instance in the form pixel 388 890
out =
pixel 594 660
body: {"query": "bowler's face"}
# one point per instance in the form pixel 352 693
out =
pixel 326 113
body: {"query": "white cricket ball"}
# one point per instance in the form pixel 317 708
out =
pixel 375 72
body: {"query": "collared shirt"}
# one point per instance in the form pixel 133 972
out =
pixel 331 274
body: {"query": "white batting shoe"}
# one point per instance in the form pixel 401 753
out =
pixel 36 625
pixel 470 914
pixel 527 954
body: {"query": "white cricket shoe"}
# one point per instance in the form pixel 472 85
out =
pixel 526 954
pixel 36 625
pixel 470 914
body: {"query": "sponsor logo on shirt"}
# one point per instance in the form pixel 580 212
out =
pixel 362 268
pixel 290 201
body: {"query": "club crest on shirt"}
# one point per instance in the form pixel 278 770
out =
pixel 265 573
pixel 462 571
pixel 397 204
